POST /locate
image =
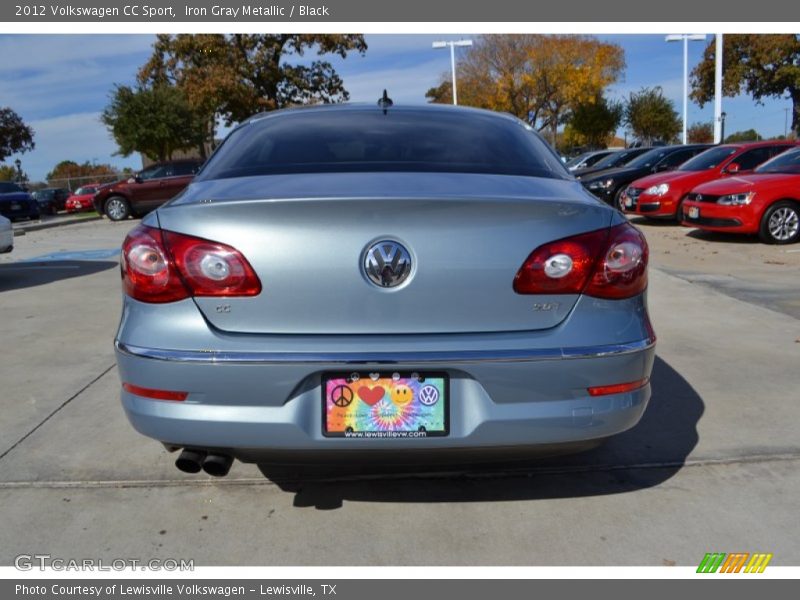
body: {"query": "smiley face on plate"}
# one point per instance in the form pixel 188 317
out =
pixel 402 395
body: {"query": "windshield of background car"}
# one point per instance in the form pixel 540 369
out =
pixel 82 191
pixel 578 159
pixel 788 162
pixel 648 159
pixel 614 159
pixel 709 159
pixel 321 141
pixel 9 188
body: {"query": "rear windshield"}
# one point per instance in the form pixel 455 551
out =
pixel 788 162
pixel 618 159
pixel 709 159
pixel 371 141
pixel 9 188
pixel 648 159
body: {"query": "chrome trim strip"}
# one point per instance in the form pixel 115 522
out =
pixel 326 358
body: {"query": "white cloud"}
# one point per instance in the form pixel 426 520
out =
pixel 79 137
pixel 50 51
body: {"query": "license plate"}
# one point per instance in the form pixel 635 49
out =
pixel 393 405
pixel 16 206
pixel 694 212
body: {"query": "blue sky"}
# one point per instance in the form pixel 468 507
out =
pixel 59 84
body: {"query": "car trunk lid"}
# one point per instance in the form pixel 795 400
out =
pixel 307 237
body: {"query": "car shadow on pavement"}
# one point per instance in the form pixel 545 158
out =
pixel 643 457
pixel 721 236
pixel 653 222
pixel 19 275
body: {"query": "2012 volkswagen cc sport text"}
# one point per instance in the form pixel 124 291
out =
pixel 345 282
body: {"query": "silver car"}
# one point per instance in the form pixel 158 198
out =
pixel 6 236
pixel 361 281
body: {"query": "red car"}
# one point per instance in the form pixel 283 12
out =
pixel 660 196
pixel 145 191
pixel 766 202
pixel 82 198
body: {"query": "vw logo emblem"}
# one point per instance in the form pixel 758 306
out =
pixel 387 264
pixel 429 395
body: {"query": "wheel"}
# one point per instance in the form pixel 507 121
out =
pixel 618 201
pixel 117 208
pixel 781 223
pixel 679 210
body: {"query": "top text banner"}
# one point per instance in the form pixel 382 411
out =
pixel 442 11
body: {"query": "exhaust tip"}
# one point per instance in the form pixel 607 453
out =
pixel 190 461
pixel 217 465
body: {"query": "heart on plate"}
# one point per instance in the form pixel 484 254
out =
pixel 371 395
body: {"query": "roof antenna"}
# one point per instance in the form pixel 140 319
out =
pixel 385 102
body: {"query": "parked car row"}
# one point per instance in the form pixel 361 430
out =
pixel 751 188
pixel 136 196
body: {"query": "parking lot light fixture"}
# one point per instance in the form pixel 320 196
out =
pixel 452 46
pixel 686 38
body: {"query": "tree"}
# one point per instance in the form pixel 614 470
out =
pixel 593 123
pixel 69 169
pixel 15 136
pixel 538 78
pixel 235 76
pixel 155 121
pixel 651 116
pixel 764 66
pixel 700 133
pixel 8 173
pixel 750 135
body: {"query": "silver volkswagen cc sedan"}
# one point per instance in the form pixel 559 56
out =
pixel 360 281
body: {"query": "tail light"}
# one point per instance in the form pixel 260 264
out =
pixel 608 263
pixel 163 266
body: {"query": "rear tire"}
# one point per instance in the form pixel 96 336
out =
pixel 781 223
pixel 117 208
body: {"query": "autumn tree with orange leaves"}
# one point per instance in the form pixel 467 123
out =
pixel 538 78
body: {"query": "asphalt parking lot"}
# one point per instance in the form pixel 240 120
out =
pixel 713 466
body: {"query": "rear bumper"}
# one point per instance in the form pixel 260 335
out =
pixel 25 211
pixel 494 403
pixel 263 401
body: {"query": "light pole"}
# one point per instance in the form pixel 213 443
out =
pixel 685 37
pixel 453 60
pixel 785 123
pixel 718 118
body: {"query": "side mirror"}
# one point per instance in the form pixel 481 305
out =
pixel 732 168
pixel 135 179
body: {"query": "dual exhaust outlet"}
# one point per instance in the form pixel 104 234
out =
pixel 193 461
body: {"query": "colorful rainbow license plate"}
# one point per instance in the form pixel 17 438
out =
pixel 374 405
